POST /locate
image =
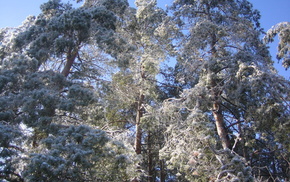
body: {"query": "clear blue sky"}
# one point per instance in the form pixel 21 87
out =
pixel 13 12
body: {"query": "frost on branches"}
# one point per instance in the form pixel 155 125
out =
pixel 282 30
pixel 79 153
pixel 107 92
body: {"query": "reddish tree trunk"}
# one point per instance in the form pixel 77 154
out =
pixel 217 112
pixel 219 121
pixel 71 56
pixel 138 139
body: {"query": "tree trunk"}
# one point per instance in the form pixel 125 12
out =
pixel 244 151
pixel 138 137
pixel 71 56
pixel 217 112
pixel 219 121
pixel 162 171
pixel 150 159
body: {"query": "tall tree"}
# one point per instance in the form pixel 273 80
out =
pixel 82 98
pixel 60 32
pixel 47 99
pixel 135 92
pixel 229 80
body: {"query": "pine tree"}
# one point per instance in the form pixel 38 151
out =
pixel 230 93
pixel 86 94
pixel 47 100
pixel 135 93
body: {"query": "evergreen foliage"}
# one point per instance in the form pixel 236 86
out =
pixel 89 93
pixel 282 30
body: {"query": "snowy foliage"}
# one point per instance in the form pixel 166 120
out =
pixel 87 94
pixel 229 90
pixel 79 153
pixel 283 31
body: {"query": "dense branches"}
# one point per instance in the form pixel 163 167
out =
pixel 87 94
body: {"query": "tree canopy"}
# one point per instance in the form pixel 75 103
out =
pixel 103 91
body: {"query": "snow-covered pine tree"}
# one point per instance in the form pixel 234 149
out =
pixel 232 100
pixel 135 93
pixel 45 101
pixel 81 95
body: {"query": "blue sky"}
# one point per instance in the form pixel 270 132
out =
pixel 13 12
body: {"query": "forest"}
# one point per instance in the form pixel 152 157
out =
pixel 100 91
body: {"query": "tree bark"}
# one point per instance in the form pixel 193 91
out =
pixel 219 121
pixel 162 171
pixel 217 112
pixel 71 56
pixel 150 159
pixel 139 115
